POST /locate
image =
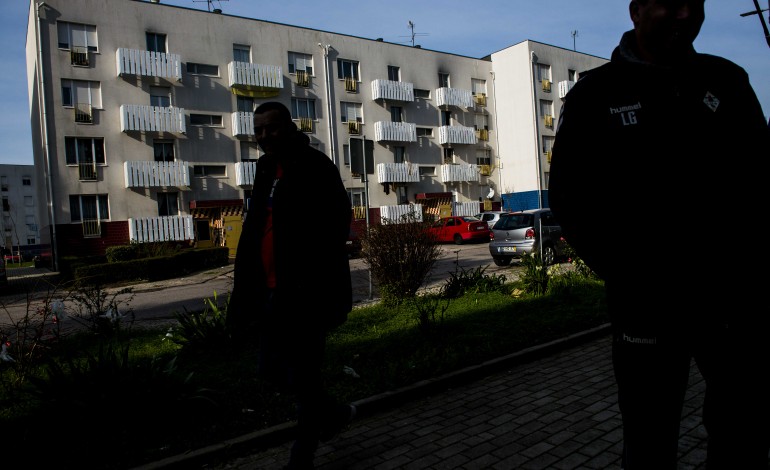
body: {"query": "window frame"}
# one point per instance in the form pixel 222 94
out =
pixel 73 150
pixel 304 58
pixel 345 107
pixel 353 66
pixel 197 68
pixel 307 111
pixel 211 117
pixel 101 206
pixel 89 35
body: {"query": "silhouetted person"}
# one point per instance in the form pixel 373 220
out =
pixel 292 277
pixel 655 181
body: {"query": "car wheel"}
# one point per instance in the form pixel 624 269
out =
pixel 458 239
pixel 549 255
pixel 501 261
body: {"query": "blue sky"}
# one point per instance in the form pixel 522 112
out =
pixel 473 29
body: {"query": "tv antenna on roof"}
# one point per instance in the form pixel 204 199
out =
pixel 410 25
pixel 758 11
pixel 574 35
pixel 211 4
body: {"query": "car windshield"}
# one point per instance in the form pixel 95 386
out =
pixel 470 218
pixel 514 221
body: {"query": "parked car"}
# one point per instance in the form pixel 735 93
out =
pixel 519 233
pixel 353 244
pixel 460 229
pixel 491 217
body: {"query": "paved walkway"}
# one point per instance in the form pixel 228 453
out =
pixel 556 411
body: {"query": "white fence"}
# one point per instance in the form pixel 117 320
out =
pixel 161 229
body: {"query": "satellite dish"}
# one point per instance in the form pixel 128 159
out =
pixel 491 193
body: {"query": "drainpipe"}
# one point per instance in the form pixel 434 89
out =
pixel 497 145
pixel 329 105
pixel 44 132
pixel 537 132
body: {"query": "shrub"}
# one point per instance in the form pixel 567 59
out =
pixel 535 275
pixel 203 332
pixel 474 280
pixel 401 255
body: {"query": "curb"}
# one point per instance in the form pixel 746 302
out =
pixel 270 437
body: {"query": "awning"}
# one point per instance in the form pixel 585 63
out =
pixel 433 195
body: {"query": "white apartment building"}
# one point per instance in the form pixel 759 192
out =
pixel 19 223
pixel 142 120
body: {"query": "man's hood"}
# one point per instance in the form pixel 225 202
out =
pixel 626 52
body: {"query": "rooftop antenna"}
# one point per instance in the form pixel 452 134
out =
pixel 574 34
pixel 211 4
pixel 758 11
pixel 410 25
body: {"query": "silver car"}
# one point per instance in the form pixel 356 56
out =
pixel 517 233
pixel 491 217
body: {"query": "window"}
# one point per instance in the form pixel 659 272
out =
pixel 160 96
pixel 202 69
pixel 399 154
pixel 75 92
pixel 6 204
pixel 546 108
pixel 249 151
pixel 163 150
pixel 424 132
pixel 427 170
pixel 245 104
pixel 156 42
pixel 302 108
pixel 480 121
pixel 347 69
pixel 346 154
pixel 483 157
pixel 394 73
pixel 3 183
pixel 401 196
pixel 26 181
pixel 396 114
pixel 478 87
pixel 89 207
pixel 443 80
pixel 168 204
pixel 209 170
pixel 422 94
pixel 29 220
pixel 543 72
pixel 29 201
pixel 572 75
pixel 206 120
pixel 547 146
pixel 446 118
pixel 449 155
pixel 84 150
pixel 75 35
pixel 300 62
pixel 241 53
pixel 357 197
pixel 351 112
pixel 32 241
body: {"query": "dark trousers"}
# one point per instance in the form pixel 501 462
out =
pixel 291 358
pixel 652 370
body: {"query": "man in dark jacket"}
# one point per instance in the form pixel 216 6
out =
pixel 654 180
pixel 292 275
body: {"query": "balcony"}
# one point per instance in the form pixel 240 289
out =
pixel 145 174
pixel 482 134
pixel 305 124
pixel 564 87
pixel 255 80
pixel 84 113
pixel 145 118
pixel 244 174
pixel 395 131
pixel 354 127
pixel 392 90
pixel 87 171
pixel 459 172
pixel 161 229
pixel 243 124
pixel 548 156
pixel 548 121
pixel 546 85
pixel 92 228
pixel 454 97
pixel 456 135
pixel 402 213
pixel 480 99
pixel 397 173
pixel 302 78
pixel 351 85
pixel 485 170
pixel 149 64
pixel 79 56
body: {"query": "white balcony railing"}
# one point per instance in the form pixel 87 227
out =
pixel 244 174
pixel 243 123
pixel 397 173
pixel 392 90
pixel 459 172
pixel 454 97
pixel 257 80
pixel 395 131
pixel 149 63
pixel 465 208
pixel 145 118
pixel 161 229
pixel 456 135
pixel 564 87
pixel 401 213
pixel 144 174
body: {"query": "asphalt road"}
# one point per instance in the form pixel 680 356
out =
pixel 159 301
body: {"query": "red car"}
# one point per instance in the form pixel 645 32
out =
pixel 460 229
